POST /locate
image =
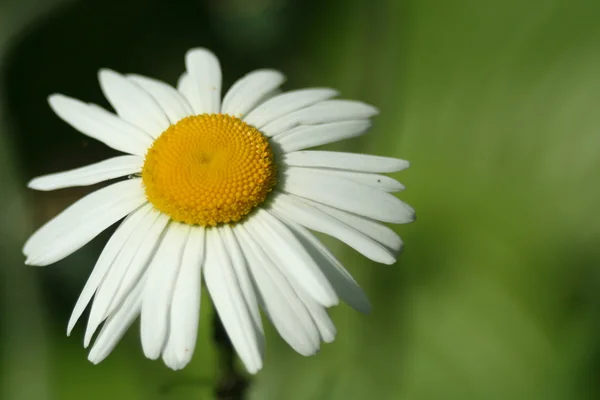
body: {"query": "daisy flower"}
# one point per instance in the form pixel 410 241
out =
pixel 221 191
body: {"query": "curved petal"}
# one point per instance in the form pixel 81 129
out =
pixel 323 112
pixel 117 324
pixel 185 86
pixel 341 280
pixel 158 293
pixel 113 280
pixel 139 257
pixel 250 90
pixel 205 73
pixel 319 315
pixel 306 136
pixel 227 296
pixel 286 103
pixel 372 229
pixel 347 195
pixel 348 161
pixel 133 103
pixel 83 221
pixel 99 124
pixel 243 276
pixel 115 167
pixel 294 261
pixel 185 308
pixel 285 309
pixel 108 255
pixel 298 211
pixel 168 98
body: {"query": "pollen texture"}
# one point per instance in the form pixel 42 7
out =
pixel 209 169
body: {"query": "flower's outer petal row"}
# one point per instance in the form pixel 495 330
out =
pixel 229 301
pixel 112 248
pixel 297 210
pixel 83 221
pixel 174 105
pixel 347 195
pixel 204 71
pixel 345 286
pixel 250 90
pixel 99 124
pixel 286 103
pixel 324 112
pixel 305 136
pixel 158 293
pixel 125 270
pixel 347 161
pixel 285 309
pixel 185 307
pixel 115 167
pixel 287 252
pixel 375 181
pixel 132 103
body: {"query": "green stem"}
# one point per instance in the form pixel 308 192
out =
pixel 231 384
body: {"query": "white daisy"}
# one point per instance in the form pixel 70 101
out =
pixel 222 191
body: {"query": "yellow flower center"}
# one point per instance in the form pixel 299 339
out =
pixel 209 169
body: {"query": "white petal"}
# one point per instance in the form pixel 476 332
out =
pixel 341 280
pixel 299 211
pixel 243 276
pixel 306 136
pixel 204 70
pixel 285 309
pixel 250 90
pixel 158 293
pixel 323 112
pixel 349 161
pixel 97 123
pixel 227 297
pixel 347 195
pixel 286 103
pixel 293 260
pixel 83 221
pixel 185 86
pixel 185 308
pixel 133 103
pixel 112 248
pixel 375 181
pixel 90 174
pixel 373 229
pixel 117 324
pixel 170 100
pixel 140 256
pixel 319 315
pixel 113 280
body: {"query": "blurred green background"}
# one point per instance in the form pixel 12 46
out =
pixel 495 103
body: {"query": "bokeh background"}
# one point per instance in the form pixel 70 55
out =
pixel 495 102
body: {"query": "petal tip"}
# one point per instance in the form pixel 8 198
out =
pixel 36 184
pixel 55 97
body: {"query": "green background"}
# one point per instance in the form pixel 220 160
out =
pixel 495 103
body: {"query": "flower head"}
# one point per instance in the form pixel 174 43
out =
pixel 221 191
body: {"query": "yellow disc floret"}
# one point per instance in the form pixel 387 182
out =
pixel 209 169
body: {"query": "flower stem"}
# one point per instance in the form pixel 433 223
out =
pixel 231 384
